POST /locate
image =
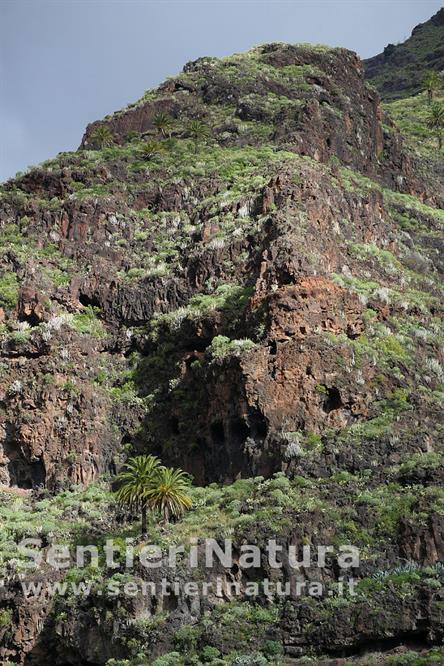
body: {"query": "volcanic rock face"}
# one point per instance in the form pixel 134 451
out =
pixel 88 214
pixel 263 297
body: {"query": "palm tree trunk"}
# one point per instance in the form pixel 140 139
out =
pixel 144 519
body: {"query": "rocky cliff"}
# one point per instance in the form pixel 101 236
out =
pixel 256 297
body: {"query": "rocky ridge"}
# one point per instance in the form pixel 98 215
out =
pixel 398 71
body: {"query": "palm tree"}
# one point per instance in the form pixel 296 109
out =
pixel 135 481
pixel 151 148
pixel 163 123
pixel 168 492
pixel 435 122
pixel 432 82
pixel 198 131
pixel 102 136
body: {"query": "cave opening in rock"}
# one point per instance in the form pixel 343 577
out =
pixel 273 348
pixel 217 433
pixel 112 469
pixel 170 603
pixel 174 425
pixel 26 475
pixel 32 319
pixel 413 640
pixel 258 424
pixel 332 399
pixel 239 430
pixel 86 300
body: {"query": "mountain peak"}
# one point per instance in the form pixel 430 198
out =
pixel 296 95
pixel 398 71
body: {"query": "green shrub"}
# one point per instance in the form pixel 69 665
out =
pixel 87 323
pixel 210 653
pixel 222 346
pixel 230 298
pixel 169 659
pixel 5 617
pixel 280 482
pixel 9 289
pixel 256 659
pixel 186 638
pixel 272 649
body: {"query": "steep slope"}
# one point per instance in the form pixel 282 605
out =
pixel 398 71
pixel 258 298
pixel 228 218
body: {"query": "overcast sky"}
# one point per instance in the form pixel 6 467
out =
pixel 64 63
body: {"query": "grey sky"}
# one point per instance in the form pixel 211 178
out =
pixel 64 63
